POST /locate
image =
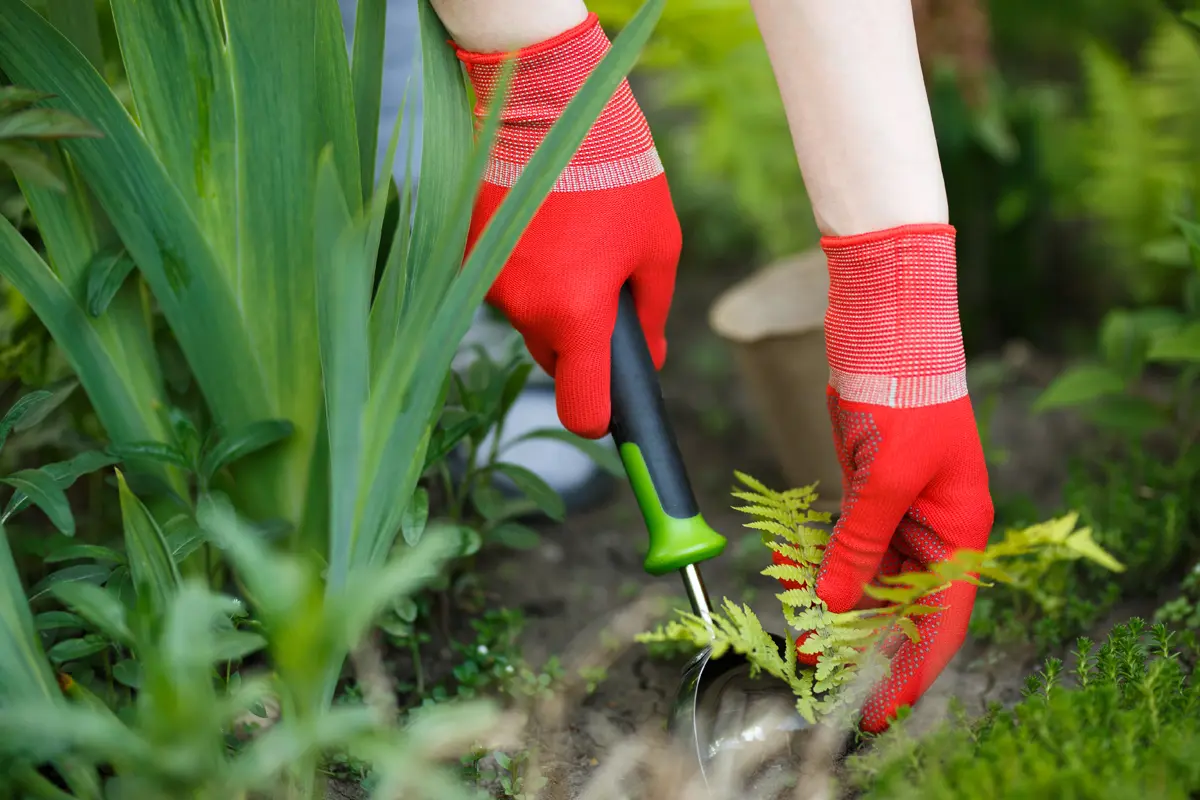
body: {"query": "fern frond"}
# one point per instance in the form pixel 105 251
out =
pixel 847 642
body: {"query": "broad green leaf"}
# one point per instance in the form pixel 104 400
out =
pixel 391 295
pixel 1129 414
pixel 367 76
pixel 193 621
pixel 409 420
pixel 513 385
pixel 44 123
pixel 445 148
pixel 374 589
pixel 470 541
pixel 1121 346
pixel 605 457
pixel 23 406
pixel 40 731
pixel 276 585
pixel 1081 542
pixel 416 515
pixel 493 506
pixel 1191 233
pixel 242 442
pixel 151 451
pixel 344 274
pixel 24 671
pixel 57 620
pixel 284 746
pixel 534 488
pixel 336 101
pixel 44 492
pixel 1177 346
pixel 31 166
pixel 45 406
pixel 65 473
pixel 112 356
pixel 516 536
pixel 94 552
pixel 236 645
pixel 15 98
pixel 128 673
pixel 155 576
pixel 402 384
pixel 78 21
pixel 1077 385
pixel 105 275
pixel 455 428
pixel 75 649
pixel 179 75
pixel 88 573
pixel 97 606
pixel 183 536
pixel 152 218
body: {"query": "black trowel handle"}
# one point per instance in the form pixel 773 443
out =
pixel 679 536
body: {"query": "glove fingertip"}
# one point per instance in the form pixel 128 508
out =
pixel 582 392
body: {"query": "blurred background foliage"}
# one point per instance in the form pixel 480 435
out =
pixel 1066 133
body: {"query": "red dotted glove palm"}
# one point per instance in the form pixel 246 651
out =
pixel 915 485
pixel 609 220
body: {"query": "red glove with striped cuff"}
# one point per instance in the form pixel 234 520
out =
pixel 915 485
pixel 608 220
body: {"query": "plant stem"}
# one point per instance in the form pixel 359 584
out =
pixel 38 786
pixel 415 648
pixel 448 487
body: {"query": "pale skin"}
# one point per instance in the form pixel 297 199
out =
pixel 850 78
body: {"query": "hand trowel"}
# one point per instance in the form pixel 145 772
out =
pixel 718 708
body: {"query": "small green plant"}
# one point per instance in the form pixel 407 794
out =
pixel 478 491
pixel 173 740
pixel 1183 612
pixel 1124 722
pixel 785 521
pixel 1135 484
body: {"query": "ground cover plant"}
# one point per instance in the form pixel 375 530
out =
pixel 1121 720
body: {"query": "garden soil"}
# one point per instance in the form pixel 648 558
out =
pixel 589 569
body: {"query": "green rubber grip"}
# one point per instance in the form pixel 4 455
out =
pixel 679 535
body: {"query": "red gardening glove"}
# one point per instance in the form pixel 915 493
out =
pixel 608 220
pixel 915 485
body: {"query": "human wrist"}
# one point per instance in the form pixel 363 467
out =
pixel 617 151
pixel 892 329
pixel 499 26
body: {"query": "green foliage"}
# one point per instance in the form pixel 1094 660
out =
pixel 1128 726
pixel 785 521
pixel 1139 142
pixel 23 126
pixel 1140 507
pixel 724 134
pixel 273 314
pixel 172 740
pixel 1135 484
pixel 1183 611
pixel 252 331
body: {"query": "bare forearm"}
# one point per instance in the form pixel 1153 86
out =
pixel 852 87
pixel 497 26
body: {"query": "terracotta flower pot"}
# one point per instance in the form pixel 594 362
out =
pixel 775 322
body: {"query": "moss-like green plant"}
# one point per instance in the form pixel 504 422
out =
pixel 846 641
pixel 1122 723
